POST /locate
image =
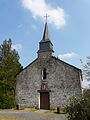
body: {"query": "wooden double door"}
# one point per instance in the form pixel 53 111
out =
pixel 44 100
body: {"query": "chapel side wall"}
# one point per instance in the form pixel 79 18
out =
pixel 28 82
pixel 64 83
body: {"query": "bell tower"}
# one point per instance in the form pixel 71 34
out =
pixel 45 45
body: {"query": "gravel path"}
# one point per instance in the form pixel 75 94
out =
pixel 33 115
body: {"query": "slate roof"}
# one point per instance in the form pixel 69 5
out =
pixel 46 35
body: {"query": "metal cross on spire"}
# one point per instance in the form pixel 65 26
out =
pixel 46 16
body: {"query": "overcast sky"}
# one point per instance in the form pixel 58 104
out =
pixel 69 26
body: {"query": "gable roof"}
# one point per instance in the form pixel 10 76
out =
pixel 55 59
pixel 66 63
pixel 27 66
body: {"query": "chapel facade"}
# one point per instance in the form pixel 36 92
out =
pixel 47 82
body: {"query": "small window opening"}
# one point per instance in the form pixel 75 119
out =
pixel 44 73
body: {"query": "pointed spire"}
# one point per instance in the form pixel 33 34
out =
pixel 46 36
pixel 45 45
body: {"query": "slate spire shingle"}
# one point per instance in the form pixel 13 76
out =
pixel 46 35
pixel 45 44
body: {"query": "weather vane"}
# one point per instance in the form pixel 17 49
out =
pixel 46 16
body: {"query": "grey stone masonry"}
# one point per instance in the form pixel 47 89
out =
pixel 64 82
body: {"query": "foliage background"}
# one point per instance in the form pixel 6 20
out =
pixel 9 68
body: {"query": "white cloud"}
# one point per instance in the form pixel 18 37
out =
pixel 34 27
pixel 17 46
pixel 39 8
pixel 67 55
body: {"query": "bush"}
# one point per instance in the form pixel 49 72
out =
pixel 7 101
pixel 78 109
pixel 86 93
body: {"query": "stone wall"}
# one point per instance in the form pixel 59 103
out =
pixel 63 81
pixel 28 82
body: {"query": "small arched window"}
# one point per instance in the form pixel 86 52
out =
pixel 44 75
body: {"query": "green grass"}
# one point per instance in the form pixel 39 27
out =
pixel 32 109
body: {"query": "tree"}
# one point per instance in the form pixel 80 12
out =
pixel 9 68
pixel 86 69
pixel 78 109
pixel 86 93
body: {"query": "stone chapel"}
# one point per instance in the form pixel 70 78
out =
pixel 47 82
